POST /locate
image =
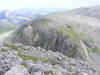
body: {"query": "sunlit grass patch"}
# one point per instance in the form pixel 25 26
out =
pixel 70 32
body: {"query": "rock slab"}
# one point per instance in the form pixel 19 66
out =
pixel 18 70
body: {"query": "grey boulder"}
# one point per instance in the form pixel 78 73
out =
pixel 18 70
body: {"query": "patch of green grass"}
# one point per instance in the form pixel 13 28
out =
pixel 24 57
pixel 14 48
pixel 88 50
pixel 24 65
pixel 86 36
pixel 96 50
pixel 82 34
pixel 73 53
pixel 47 60
pixel 3 50
pixel 78 24
pixel 70 32
pixel 91 39
pixel 69 74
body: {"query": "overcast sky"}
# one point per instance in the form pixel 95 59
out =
pixel 68 4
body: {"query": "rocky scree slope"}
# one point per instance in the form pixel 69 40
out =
pixel 17 59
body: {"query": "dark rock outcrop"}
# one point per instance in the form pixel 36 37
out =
pixel 41 33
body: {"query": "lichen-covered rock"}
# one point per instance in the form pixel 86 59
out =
pixel 41 69
pixel 8 59
pixel 35 67
pixel 18 70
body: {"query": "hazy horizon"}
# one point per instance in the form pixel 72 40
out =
pixel 46 4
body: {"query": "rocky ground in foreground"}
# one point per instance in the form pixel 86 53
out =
pixel 18 59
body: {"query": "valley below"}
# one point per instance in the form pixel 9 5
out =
pixel 4 35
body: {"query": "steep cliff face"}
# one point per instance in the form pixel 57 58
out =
pixel 47 36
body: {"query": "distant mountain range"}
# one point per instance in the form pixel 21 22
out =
pixel 13 18
pixel 16 17
pixel 21 16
